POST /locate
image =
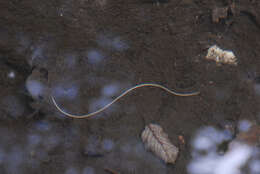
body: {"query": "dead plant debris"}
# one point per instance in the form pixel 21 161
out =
pixel 156 140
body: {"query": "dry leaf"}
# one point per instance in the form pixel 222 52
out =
pixel 250 137
pixel 221 56
pixel 158 142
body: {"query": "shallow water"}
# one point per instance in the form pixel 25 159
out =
pixel 86 53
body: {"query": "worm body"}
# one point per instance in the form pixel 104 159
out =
pixel 120 96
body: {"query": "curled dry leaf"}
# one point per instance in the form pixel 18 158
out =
pixel 158 142
pixel 221 56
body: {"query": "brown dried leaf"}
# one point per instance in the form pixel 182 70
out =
pixel 158 142
pixel 250 137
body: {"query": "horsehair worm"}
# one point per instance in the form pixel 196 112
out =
pixel 120 96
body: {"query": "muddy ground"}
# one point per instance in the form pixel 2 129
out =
pixel 86 52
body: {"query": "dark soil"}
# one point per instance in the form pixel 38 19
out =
pixel 139 41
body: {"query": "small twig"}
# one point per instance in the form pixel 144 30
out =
pixel 110 171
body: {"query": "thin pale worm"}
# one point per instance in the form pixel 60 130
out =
pixel 120 96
